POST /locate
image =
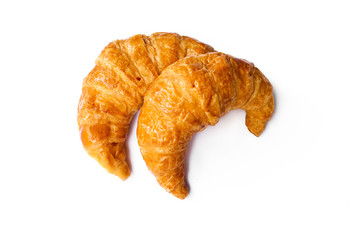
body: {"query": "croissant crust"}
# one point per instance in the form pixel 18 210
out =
pixel 189 95
pixel 113 91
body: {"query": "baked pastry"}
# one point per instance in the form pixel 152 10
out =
pixel 113 91
pixel 189 95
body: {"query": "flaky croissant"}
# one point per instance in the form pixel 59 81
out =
pixel 113 91
pixel 189 95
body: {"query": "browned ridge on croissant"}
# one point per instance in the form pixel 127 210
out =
pixel 189 95
pixel 113 91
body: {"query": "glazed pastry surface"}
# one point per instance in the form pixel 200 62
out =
pixel 189 95
pixel 113 91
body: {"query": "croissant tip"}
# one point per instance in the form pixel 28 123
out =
pixel 123 176
pixel 255 126
pixel 180 191
pixel 122 171
pixel 257 132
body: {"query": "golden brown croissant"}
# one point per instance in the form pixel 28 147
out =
pixel 189 95
pixel 113 91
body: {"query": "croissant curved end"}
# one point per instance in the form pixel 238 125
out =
pixel 111 156
pixel 256 118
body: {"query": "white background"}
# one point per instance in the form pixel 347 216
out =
pixel 299 180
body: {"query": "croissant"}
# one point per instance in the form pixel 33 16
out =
pixel 189 95
pixel 113 91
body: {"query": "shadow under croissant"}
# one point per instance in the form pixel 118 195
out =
pixel 275 103
pixel 131 128
pixel 187 160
